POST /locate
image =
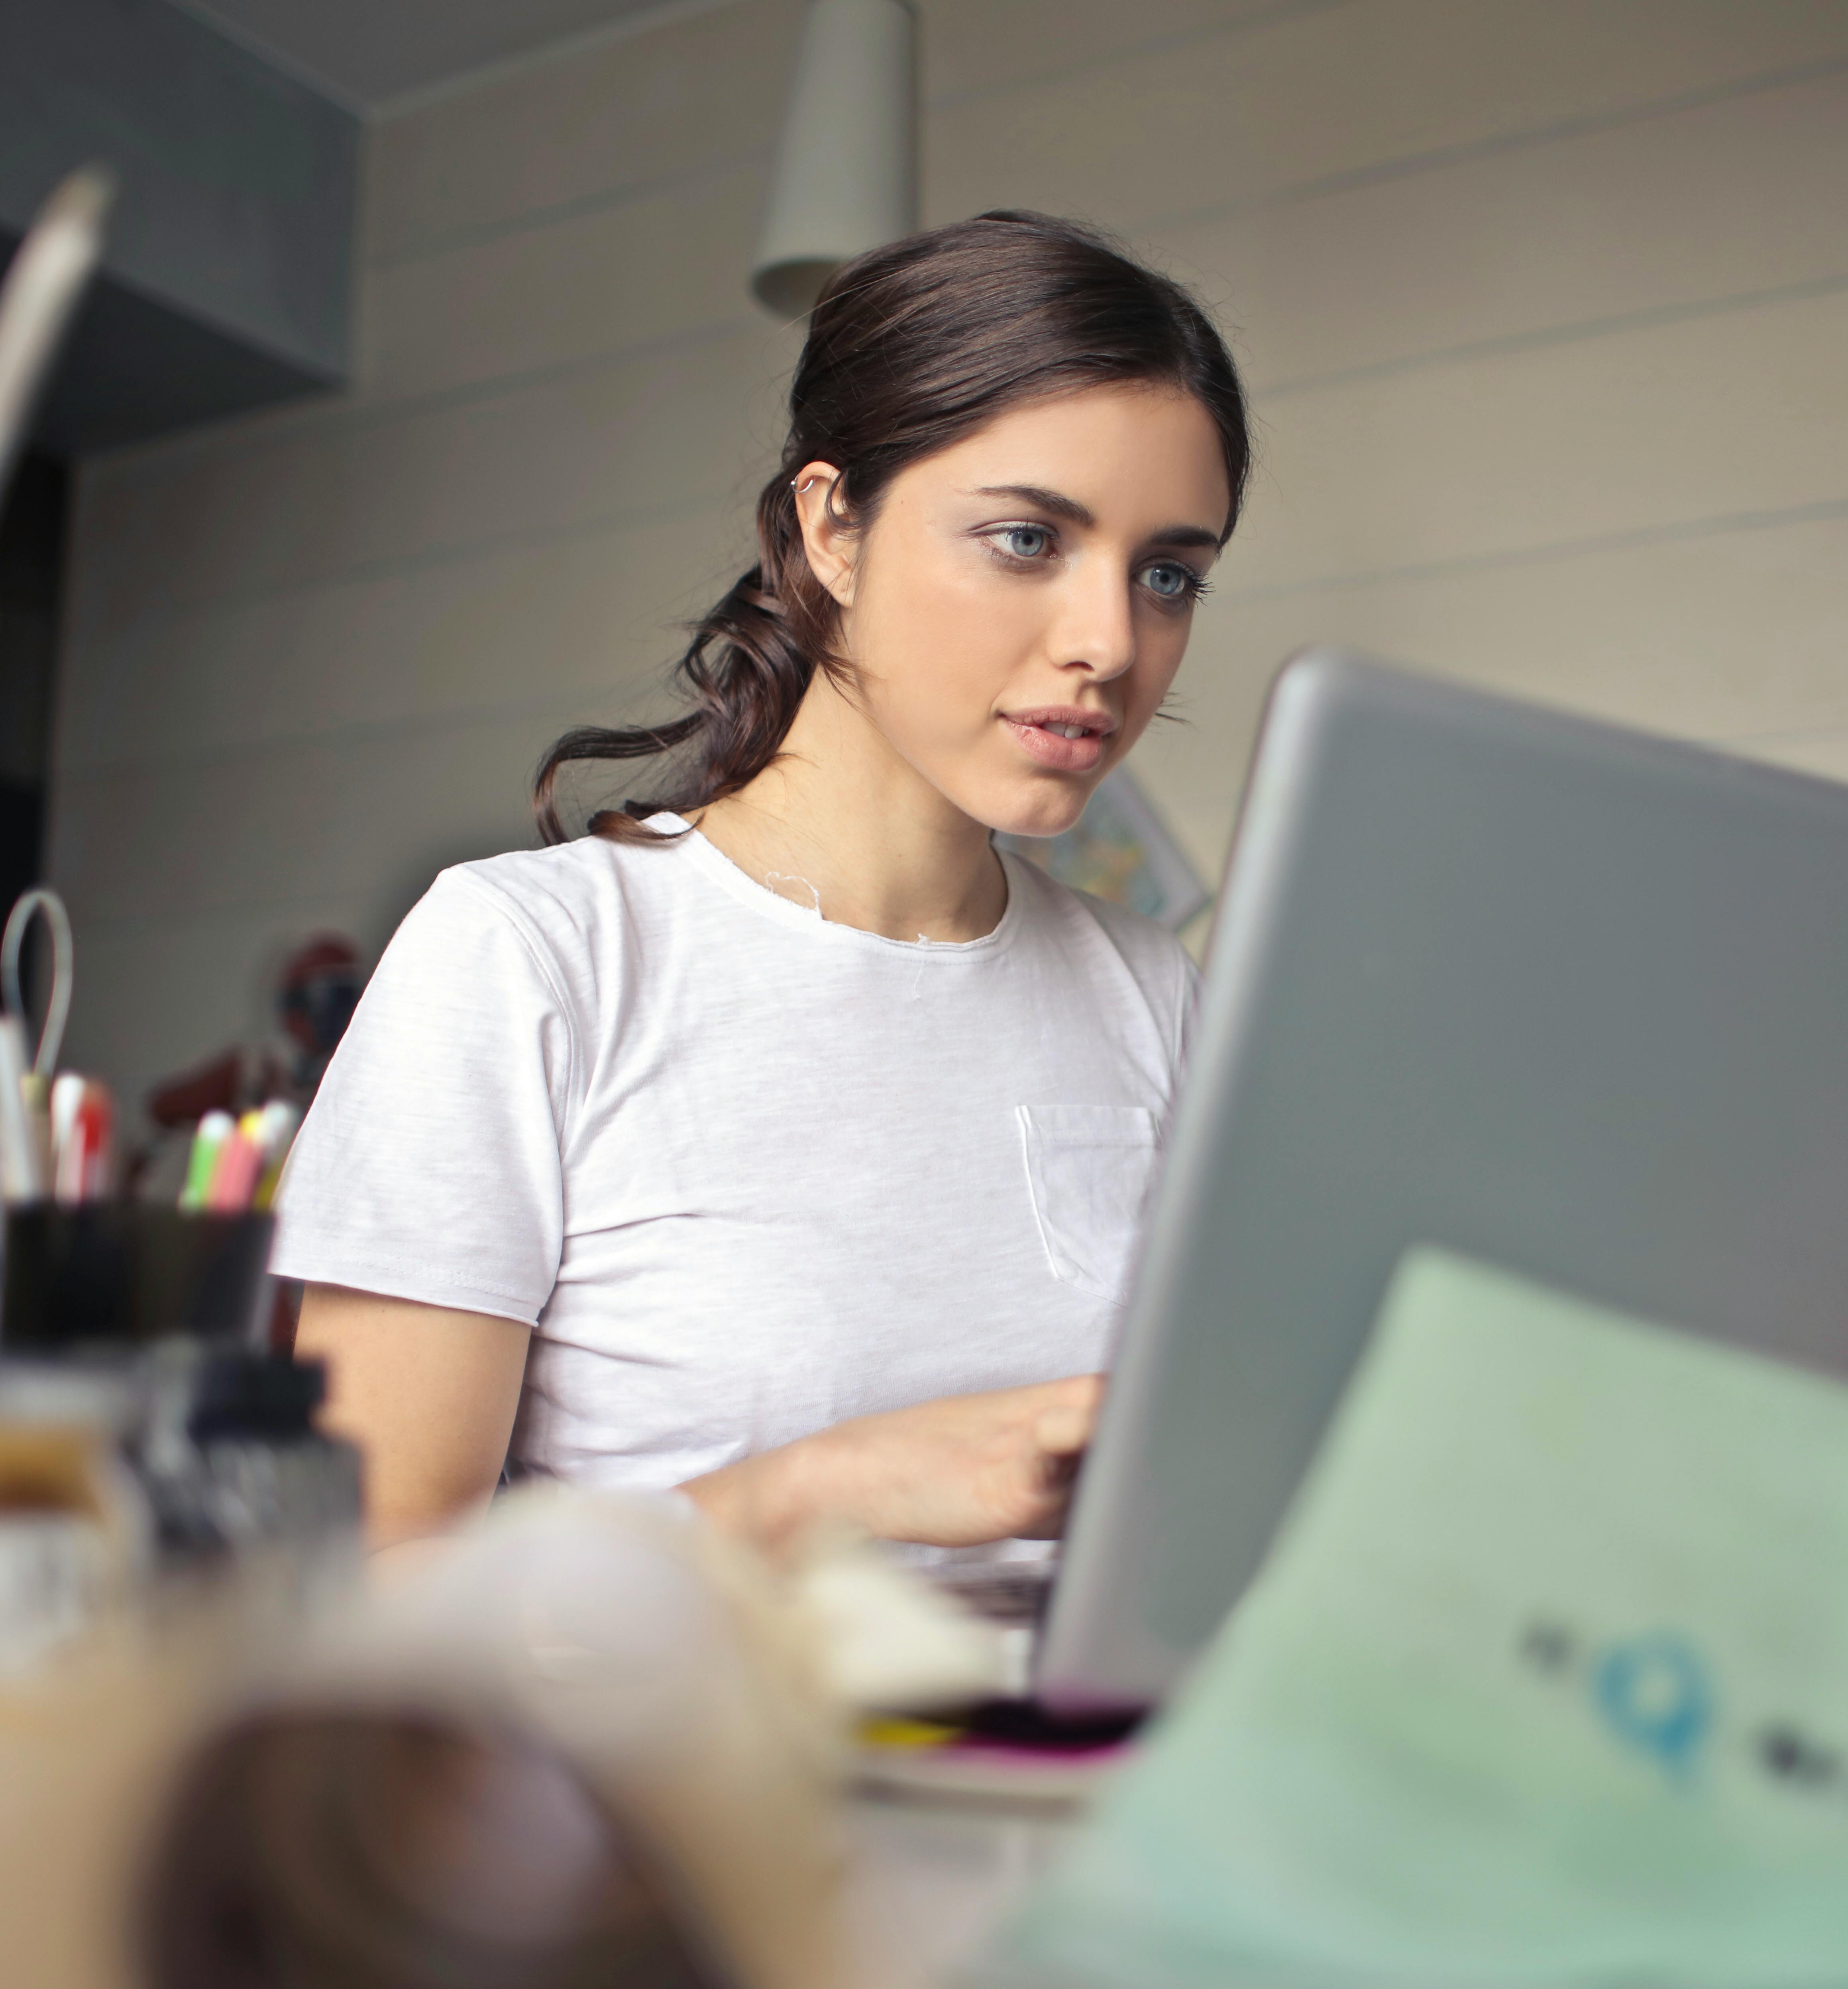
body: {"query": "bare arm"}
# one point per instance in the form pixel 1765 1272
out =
pixel 427 1394
pixel 957 1472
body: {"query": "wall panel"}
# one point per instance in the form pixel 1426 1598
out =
pixel 1543 309
pixel 606 444
pixel 1734 637
pixel 1301 99
pixel 640 111
pixel 589 615
pixel 1742 411
pixel 1665 214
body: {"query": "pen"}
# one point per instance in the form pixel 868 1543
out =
pixel 67 1095
pixel 83 1119
pixel 22 1177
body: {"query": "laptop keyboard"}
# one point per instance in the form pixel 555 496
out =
pixel 1003 1592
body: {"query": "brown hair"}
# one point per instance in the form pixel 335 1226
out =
pixel 911 348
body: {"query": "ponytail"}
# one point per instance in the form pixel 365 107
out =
pixel 745 671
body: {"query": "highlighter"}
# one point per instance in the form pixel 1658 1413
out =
pixel 281 1120
pixel 240 1160
pixel 214 1129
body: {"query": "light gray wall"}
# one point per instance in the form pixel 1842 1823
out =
pixel 1544 308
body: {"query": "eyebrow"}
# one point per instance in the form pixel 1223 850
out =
pixel 1070 509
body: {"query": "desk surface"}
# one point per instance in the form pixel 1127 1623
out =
pixel 929 1882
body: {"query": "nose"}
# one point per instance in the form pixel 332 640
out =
pixel 1093 633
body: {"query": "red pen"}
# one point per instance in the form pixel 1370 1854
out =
pixel 83 1122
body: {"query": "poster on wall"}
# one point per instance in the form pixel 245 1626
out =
pixel 1120 849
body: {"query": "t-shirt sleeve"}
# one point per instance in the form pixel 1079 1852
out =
pixel 428 1167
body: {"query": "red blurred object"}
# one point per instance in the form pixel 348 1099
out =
pixel 216 1086
pixel 316 992
pixel 83 1141
pixel 316 997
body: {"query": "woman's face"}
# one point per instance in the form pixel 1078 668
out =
pixel 1018 607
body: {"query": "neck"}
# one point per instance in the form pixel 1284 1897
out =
pixel 840 821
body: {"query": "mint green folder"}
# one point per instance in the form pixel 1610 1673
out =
pixel 1546 1682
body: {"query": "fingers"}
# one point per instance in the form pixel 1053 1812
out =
pixel 1062 1435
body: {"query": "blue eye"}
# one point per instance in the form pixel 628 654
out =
pixel 1026 542
pixel 1172 581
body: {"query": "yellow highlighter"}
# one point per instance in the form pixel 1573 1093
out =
pixel 281 1122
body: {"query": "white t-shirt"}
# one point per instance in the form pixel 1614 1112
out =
pixel 747 1173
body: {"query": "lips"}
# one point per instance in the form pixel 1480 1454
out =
pixel 1065 737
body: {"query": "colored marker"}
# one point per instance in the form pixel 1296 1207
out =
pixel 281 1121
pixel 240 1161
pixel 214 1129
pixel 91 1169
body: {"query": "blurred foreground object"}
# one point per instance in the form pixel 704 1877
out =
pixel 587 1740
pixel 76 1536
pixel 118 1470
pixel 43 284
pixel 846 176
pixel 1543 1682
pixel 390 1850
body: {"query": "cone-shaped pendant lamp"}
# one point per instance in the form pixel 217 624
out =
pixel 845 178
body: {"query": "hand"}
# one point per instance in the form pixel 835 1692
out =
pixel 958 1472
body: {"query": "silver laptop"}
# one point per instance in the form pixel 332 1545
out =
pixel 1560 997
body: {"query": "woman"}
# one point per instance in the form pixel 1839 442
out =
pixel 779 1140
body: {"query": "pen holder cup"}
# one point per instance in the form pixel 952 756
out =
pixel 125 1273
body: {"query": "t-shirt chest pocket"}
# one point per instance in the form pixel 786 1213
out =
pixel 1089 1169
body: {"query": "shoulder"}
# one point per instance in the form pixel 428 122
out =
pixel 569 880
pixel 563 895
pixel 1148 952
pixel 1142 942
pixel 566 915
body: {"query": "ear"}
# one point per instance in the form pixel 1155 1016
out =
pixel 826 539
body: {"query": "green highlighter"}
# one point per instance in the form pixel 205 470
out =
pixel 1546 1682
pixel 207 1143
